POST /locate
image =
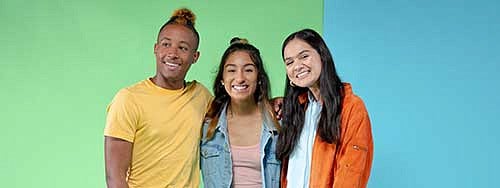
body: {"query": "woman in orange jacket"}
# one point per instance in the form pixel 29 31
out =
pixel 326 138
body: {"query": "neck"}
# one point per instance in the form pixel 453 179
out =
pixel 316 93
pixel 243 108
pixel 168 84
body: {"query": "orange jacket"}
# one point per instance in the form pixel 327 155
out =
pixel 349 165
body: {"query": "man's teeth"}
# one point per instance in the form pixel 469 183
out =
pixel 171 64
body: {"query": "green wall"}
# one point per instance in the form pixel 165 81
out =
pixel 63 61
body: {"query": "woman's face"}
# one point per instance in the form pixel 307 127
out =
pixel 240 76
pixel 303 64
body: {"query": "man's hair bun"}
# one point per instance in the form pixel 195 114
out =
pixel 183 16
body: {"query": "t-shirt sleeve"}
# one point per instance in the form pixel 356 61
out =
pixel 209 103
pixel 122 117
pixel 207 96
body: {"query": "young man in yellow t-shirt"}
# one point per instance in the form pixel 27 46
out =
pixel 153 127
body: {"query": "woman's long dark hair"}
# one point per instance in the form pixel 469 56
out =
pixel 261 94
pixel 330 87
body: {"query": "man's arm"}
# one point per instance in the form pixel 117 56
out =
pixel 118 154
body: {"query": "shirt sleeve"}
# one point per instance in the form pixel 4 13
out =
pixel 357 148
pixel 122 117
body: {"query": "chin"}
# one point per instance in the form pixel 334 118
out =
pixel 240 98
pixel 304 84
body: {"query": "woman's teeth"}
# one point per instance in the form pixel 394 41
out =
pixel 239 87
pixel 302 74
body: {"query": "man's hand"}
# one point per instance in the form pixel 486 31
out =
pixel 277 104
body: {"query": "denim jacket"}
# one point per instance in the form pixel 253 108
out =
pixel 216 162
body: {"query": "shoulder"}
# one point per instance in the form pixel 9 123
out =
pixel 204 128
pixel 134 89
pixel 197 88
pixel 351 101
pixel 355 118
pixel 124 95
pixel 130 92
pixel 354 115
pixel 354 102
pixel 139 86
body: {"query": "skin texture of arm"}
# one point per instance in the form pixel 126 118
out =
pixel 118 154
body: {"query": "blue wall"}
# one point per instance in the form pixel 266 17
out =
pixel 428 73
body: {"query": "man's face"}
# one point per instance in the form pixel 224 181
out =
pixel 175 51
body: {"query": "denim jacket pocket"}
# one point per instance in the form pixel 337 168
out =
pixel 209 159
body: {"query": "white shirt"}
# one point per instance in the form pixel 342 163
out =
pixel 299 163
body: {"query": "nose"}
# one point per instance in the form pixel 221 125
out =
pixel 239 77
pixel 298 66
pixel 172 53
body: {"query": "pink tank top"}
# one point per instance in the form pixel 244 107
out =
pixel 246 166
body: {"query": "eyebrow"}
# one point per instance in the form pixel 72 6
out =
pixel 300 53
pixel 186 43
pixel 168 39
pixel 250 64
pixel 164 38
pixel 303 51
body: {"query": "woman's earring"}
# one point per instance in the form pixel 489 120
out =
pixel 222 83
pixel 292 84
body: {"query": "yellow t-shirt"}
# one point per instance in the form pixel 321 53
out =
pixel 164 127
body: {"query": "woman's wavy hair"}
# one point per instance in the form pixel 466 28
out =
pixel 331 92
pixel 262 92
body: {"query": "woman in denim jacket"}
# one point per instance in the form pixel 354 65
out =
pixel 240 132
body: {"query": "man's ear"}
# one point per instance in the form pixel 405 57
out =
pixel 196 55
pixel 155 47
